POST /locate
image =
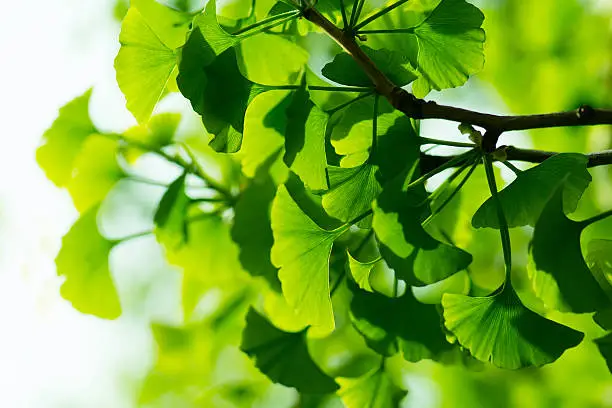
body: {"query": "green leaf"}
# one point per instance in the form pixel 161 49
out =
pixel 344 70
pixel 301 250
pixel 305 140
pixel 604 344
pixel 361 272
pixel 525 198
pixel 450 43
pixel 251 230
pixel 83 261
pixel 556 250
pixel 416 256
pixel 599 260
pixel 63 141
pixel 170 217
pixel 144 65
pixel 210 78
pixel 169 24
pixel 283 356
pixel 95 171
pixel 158 132
pixel 392 324
pixel 353 190
pixel 375 389
pixel 500 329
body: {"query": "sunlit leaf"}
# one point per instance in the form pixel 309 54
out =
pixel 83 262
pixel 170 217
pixel 251 230
pixel 525 198
pixel 158 132
pixel 301 250
pixel 144 64
pixel 305 140
pixel 283 356
pixel 373 390
pixel 500 329
pixel 556 251
pixel 361 272
pixel 63 141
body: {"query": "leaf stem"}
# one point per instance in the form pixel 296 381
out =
pixel 144 180
pixel 346 104
pixel 503 223
pixel 597 218
pixel 360 218
pixel 512 167
pixel 272 22
pixel 345 22
pixel 210 182
pixel 339 88
pixel 426 140
pixel 460 159
pixel 391 31
pixel 375 125
pixel 380 13
pixel 132 237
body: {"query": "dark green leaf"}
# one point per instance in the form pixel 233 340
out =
pixel 556 251
pixel 525 198
pixel 283 356
pixel 170 217
pixel 345 70
pixel 604 344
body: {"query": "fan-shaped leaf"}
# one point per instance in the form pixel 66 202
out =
pixel 283 356
pixel 301 250
pixel 373 390
pixel 556 251
pixel 171 215
pixel 83 261
pixel 500 329
pixel 525 198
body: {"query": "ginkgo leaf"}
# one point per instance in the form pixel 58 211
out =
pixel 251 230
pixel 525 198
pixel 450 46
pixel 83 262
pixel 500 329
pixel 375 389
pixel 301 250
pixel 158 132
pixel 63 141
pixel 209 76
pixel 144 65
pixel 604 344
pixel 169 24
pixel 361 272
pixel 305 140
pixel 599 260
pixel 556 250
pixel 402 324
pixel 352 191
pixel 345 70
pixel 416 256
pixel 170 217
pixel 95 172
pixel 283 356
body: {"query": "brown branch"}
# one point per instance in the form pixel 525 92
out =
pixel 416 108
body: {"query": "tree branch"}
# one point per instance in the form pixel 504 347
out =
pixel 417 108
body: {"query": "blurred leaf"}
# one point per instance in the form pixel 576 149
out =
pixel 251 230
pixel 83 261
pixel 375 389
pixel 525 198
pixel 301 250
pixel 500 329
pixel 283 356
pixel 63 141
pixel 170 217
pixel 158 132
pixel 556 251
pixel 345 70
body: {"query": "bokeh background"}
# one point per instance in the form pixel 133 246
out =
pixel 542 56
